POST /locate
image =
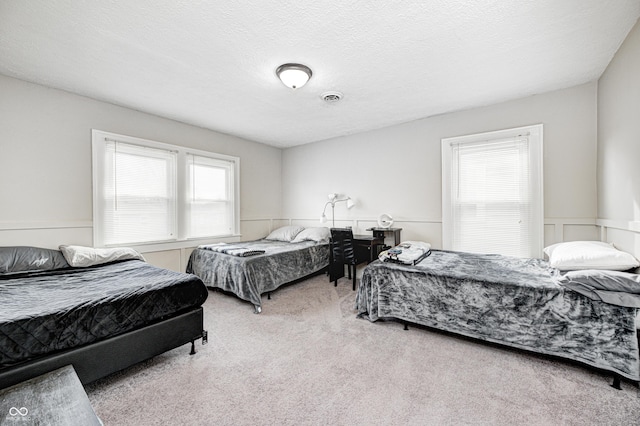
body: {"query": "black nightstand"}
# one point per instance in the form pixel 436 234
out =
pixel 382 232
pixel 367 247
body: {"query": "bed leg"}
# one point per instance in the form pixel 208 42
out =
pixel 193 347
pixel 616 382
pixel 406 325
pixel 269 296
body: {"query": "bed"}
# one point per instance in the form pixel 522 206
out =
pixel 100 318
pixel 506 300
pixel 252 268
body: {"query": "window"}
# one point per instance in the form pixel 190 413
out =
pixel 492 197
pixel 147 191
pixel 209 196
pixel 138 191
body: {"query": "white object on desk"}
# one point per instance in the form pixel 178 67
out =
pixel 385 221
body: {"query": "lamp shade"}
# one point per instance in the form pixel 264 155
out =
pixel 294 75
pixel 350 203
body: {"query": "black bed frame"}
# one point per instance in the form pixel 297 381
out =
pixel 99 359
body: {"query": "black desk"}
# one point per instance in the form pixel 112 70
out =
pixel 382 232
pixel 367 247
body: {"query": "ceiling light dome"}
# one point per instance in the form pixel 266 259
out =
pixel 294 75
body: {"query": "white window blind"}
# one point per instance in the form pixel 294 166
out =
pixel 493 200
pixel 147 192
pixel 210 196
pixel 139 189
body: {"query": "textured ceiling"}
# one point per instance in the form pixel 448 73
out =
pixel 212 64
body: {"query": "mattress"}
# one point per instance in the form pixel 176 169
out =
pixel 49 311
pixel 249 277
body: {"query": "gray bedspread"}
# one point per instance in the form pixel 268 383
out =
pixel 507 300
pixel 250 277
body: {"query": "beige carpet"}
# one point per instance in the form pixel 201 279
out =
pixel 307 359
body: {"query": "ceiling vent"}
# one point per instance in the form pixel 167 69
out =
pixel 331 97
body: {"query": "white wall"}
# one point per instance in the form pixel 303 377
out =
pixel 618 170
pixel 45 163
pixel 45 166
pixel 397 170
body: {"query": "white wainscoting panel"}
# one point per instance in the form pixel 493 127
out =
pixel 254 229
pixel 557 230
pixel 168 259
pixel 174 256
pixel 581 232
pixel 624 235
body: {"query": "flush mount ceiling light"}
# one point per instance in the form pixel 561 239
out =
pixel 294 75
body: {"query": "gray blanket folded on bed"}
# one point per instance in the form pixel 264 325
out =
pixel 234 251
pixel 612 287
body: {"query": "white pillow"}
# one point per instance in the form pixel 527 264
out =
pixel 318 234
pixel 577 255
pixel 80 257
pixel 286 233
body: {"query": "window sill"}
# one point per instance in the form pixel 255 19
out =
pixel 182 244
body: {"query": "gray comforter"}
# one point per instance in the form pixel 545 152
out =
pixel 43 312
pixel 250 277
pixel 507 300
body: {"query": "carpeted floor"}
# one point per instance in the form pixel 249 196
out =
pixel 307 360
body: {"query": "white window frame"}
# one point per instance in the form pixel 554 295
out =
pixel 98 139
pixel 535 136
pixel 189 202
